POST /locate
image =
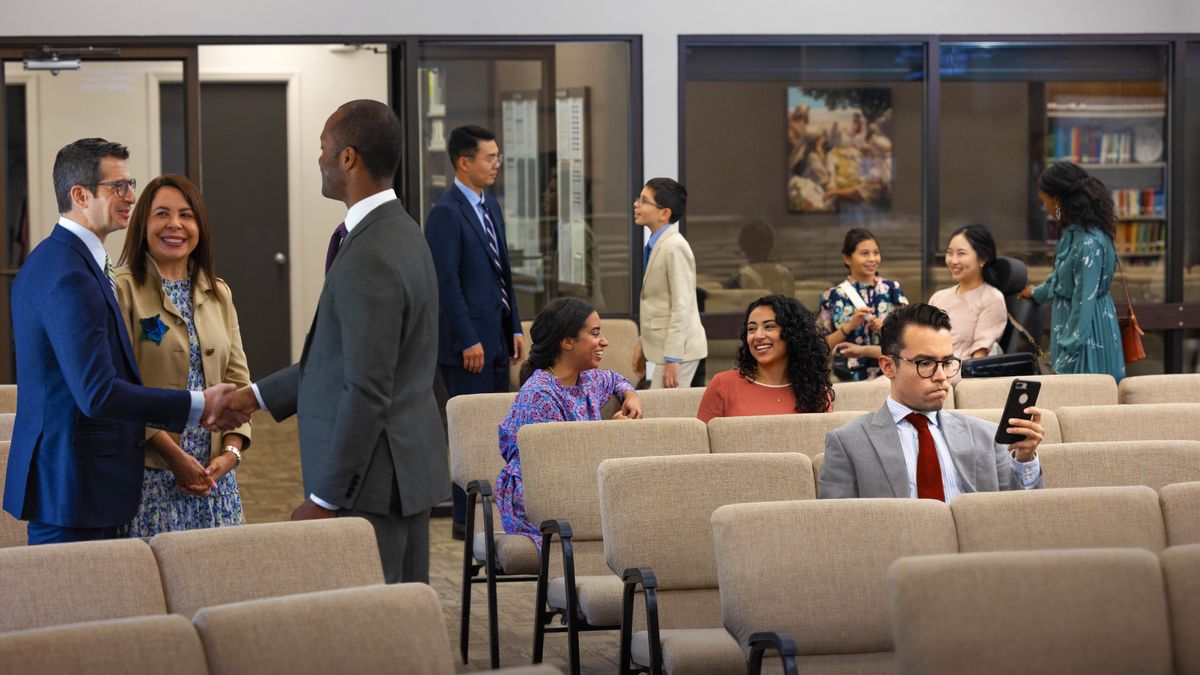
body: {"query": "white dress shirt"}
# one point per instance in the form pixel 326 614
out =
pixel 354 216
pixel 96 248
pixel 1025 473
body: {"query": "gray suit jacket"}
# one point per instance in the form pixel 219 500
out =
pixel 364 386
pixel 863 457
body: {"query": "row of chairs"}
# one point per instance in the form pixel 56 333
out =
pixel 560 461
pixel 814 593
pixel 369 629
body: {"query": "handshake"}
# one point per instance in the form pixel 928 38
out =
pixel 226 407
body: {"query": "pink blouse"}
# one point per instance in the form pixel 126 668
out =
pixel 977 317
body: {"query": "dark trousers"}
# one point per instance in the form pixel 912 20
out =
pixel 492 379
pixel 403 541
pixel 44 533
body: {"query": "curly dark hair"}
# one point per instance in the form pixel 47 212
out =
pixel 1084 199
pixel 807 353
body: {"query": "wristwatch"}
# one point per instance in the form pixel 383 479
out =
pixel 236 453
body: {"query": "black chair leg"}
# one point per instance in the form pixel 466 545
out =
pixel 464 631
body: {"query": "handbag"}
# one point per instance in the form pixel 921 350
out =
pixel 1131 332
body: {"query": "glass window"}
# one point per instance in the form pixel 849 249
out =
pixel 1191 261
pixel 561 114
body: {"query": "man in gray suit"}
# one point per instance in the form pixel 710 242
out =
pixel 371 442
pixel 912 448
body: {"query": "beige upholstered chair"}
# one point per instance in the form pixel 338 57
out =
pixel 1081 611
pixel 655 513
pixel 472 423
pixel 622 336
pixel 1130 422
pixel 8 398
pixel 816 463
pixel 659 403
pixel 558 466
pixel 374 629
pixel 808 578
pixel 6 425
pixel 801 432
pixel 263 561
pixel 1049 420
pixel 58 584
pixel 1057 391
pixel 13 532
pixel 1150 463
pixel 1181 572
pixel 1180 504
pixel 147 645
pixel 1099 517
pixel 1177 388
pixel 870 395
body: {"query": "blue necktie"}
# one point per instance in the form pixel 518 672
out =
pixel 494 253
pixel 645 258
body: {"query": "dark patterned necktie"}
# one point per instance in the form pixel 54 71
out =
pixel 494 253
pixel 335 242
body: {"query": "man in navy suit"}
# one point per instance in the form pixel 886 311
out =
pixel 75 465
pixel 479 329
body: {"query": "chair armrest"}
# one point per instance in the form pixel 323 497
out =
pixel 480 487
pixel 644 577
pixel 780 642
pixel 560 527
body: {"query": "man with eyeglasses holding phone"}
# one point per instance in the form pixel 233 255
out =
pixel 75 465
pixel 911 448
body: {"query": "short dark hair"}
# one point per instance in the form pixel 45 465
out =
pixel 79 164
pixel 669 194
pixel 464 141
pixel 891 336
pixel 374 131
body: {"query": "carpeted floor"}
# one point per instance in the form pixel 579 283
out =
pixel 271 487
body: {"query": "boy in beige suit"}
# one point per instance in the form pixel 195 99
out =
pixel 672 337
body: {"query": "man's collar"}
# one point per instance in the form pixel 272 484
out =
pixel 473 197
pixel 89 239
pixel 899 411
pixel 364 206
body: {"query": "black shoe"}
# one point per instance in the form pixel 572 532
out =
pixel 458 530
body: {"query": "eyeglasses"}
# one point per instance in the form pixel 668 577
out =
pixel 494 161
pixel 121 187
pixel 927 367
pixel 642 201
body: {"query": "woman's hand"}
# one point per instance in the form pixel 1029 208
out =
pixel 1026 292
pixel 191 475
pixel 853 351
pixel 220 465
pixel 876 324
pixel 856 320
pixel 631 408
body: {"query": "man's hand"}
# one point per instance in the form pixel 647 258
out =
pixel 518 350
pixel 670 375
pixel 631 407
pixel 1031 429
pixel 473 358
pixel 190 475
pixel 226 407
pixel 308 510
pixel 639 361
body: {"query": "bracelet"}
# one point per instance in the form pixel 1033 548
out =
pixel 236 453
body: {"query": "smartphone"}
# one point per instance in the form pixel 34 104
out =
pixel 1021 395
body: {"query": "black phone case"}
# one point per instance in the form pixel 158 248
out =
pixel 1014 407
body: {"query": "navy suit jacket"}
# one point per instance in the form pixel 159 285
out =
pixel 74 459
pixel 470 312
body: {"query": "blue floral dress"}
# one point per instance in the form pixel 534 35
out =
pixel 836 309
pixel 544 399
pixel 1084 335
pixel 165 506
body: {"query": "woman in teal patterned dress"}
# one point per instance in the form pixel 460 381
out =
pixel 1084 335
pixel 184 330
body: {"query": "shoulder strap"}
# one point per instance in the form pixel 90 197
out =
pixel 1124 286
pixel 1037 348
pixel 851 294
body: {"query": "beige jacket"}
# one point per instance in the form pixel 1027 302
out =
pixel 165 364
pixel 670 319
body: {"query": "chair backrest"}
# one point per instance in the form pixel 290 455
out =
pixel 1049 420
pixel 154 645
pixel 622 336
pixel 8 398
pixel 1096 611
pixel 800 432
pixel 867 396
pixel 68 583
pixel 1150 463
pixel 817 569
pixel 473 431
pixel 1132 422
pixel 514 371
pixel 268 560
pixel 373 629
pixel 1175 388
pixel 7 420
pixel 816 464
pixel 1181 572
pixel 559 462
pixel 658 403
pixel 656 512
pixel 1180 504
pixel 1057 391
pixel 13 532
pixel 1099 517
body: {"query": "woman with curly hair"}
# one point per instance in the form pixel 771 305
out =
pixel 782 365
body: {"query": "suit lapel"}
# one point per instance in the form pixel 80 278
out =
pixel 671 231
pixel 885 438
pixel 472 216
pixel 960 444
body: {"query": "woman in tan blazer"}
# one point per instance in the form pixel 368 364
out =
pixel 184 328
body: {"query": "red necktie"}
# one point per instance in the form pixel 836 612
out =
pixel 929 470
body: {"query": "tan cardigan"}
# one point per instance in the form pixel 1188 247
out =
pixel 670 318
pixel 165 365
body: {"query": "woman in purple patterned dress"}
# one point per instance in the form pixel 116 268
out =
pixel 560 382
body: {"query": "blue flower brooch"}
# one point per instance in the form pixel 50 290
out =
pixel 153 329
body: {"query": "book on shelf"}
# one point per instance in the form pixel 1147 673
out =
pixel 1085 144
pixel 1141 237
pixel 1146 203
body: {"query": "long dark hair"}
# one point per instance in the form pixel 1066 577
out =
pixel 807 353
pixel 136 249
pixel 561 318
pixel 1082 198
pixel 984 245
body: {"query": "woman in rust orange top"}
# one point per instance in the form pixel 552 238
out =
pixel 782 365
